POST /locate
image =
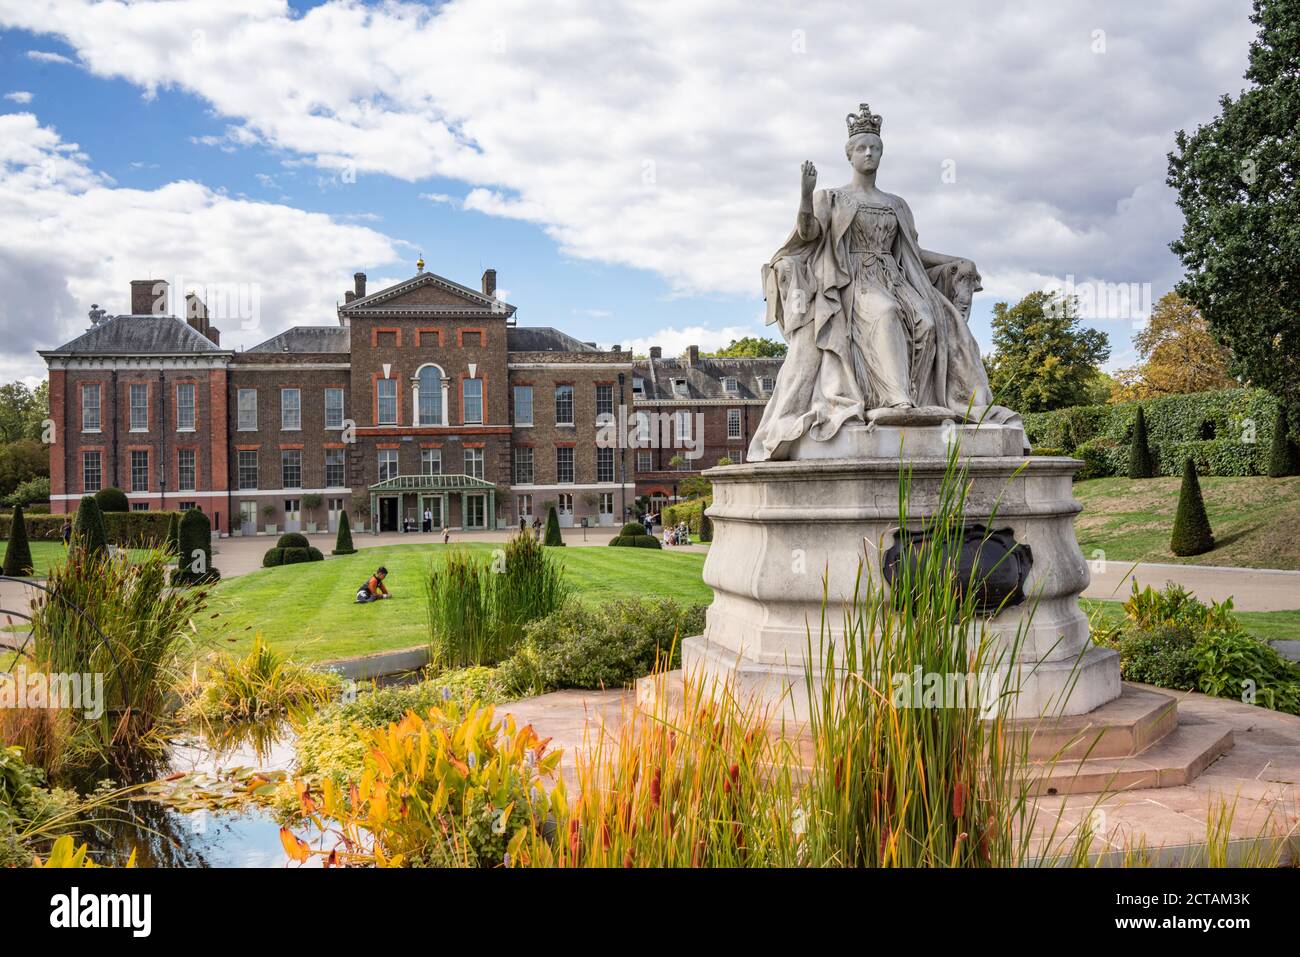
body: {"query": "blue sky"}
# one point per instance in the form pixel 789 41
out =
pixel 626 170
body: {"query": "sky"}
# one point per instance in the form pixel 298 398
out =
pixel 626 167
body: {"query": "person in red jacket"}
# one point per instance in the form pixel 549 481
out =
pixel 374 589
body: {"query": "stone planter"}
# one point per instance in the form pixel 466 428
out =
pixel 270 529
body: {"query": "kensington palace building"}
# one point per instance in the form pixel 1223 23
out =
pixel 425 403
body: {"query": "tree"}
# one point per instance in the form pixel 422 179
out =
pixel 1192 534
pixel 112 500
pixel 1179 355
pixel 1141 465
pixel 751 347
pixel 194 563
pixel 1283 457
pixel 174 534
pixel 311 502
pixel 88 532
pixel 343 544
pixel 552 528
pixel 706 524
pixel 1237 184
pixel 31 492
pixel 1043 358
pixel 18 553
pixel 22 410
pixel 22 461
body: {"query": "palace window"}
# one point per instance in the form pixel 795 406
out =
pixel 387 464
pixel 334 469
pixel 523 405
pixel 185 470
pixel 472 400
pixel 139 470
pixel 247 402
pixel 430 383
pixel 333 408
pixel 90 408
pixel 92 474
pixel 733 423
pixel 523 465
pixel 474 463
pixel 604 400
pixel 247 469
pixel 291 468
pixel 564 466
pixel 604 465
pixel 290 409
pixel 139 407
pixel 430 461
pixel 564 405
pixel 386 391
pixel 185 407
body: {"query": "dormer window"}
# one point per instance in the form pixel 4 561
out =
pixel 729 384
pixel 766 383
pixel 680 387
pixel 638 388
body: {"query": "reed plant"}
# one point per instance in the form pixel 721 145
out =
pixel 260 686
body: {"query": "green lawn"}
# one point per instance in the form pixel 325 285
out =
pixel 46 554
pixel 309 609
pixel 1256 521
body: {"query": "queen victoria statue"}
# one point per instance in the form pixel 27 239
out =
pixel 876 325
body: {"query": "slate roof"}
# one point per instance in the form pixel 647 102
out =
pixel 704 379
pixel 139 335
pixel 313 339
pixel 544 339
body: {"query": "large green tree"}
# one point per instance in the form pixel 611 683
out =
pixel 752 347
pixel 1043 358
pixel 1238 183
pixel 22 411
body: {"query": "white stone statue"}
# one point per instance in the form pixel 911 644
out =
pixel 876 325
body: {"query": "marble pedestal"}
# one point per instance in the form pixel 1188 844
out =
pixel 784 530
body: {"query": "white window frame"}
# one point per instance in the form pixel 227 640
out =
pixel 95 389
pixel 342 466
pixel 735 423
pixel 139 486
pixel 471 406
pixel 86 457
pixel 519 392
pixel 239 470
pixel 342 407
pixel 240 410
pixel 193 467
pixel 295 408
pixel 181 387
pixel 427 456
pixel 566 390
pixel 144 406
pixel 384 416
pixel 560 452
pixel 285 456
pixel 388 458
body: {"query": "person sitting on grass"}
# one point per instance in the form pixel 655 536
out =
pixel 374 589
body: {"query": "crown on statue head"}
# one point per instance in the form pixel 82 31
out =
pixel 863 121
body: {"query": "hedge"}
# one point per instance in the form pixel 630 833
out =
pixel 688 512
pixel 128 529
pixel 1224 433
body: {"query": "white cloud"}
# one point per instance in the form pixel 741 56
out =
pixel 19 96
pixel 668 136
pixel 71 238
pixel 674 341
pixel 44 56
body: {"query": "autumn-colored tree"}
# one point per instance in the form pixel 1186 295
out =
pixel 1179 355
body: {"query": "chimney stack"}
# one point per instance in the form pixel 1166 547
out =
pixel 149 297
pixel 348 297
pixel 656 352
pixel 360 280
pixel 692 355
pixel 490 283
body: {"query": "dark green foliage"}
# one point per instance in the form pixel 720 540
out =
pixel 174 534
pixel 292 540
pixel 1226 433
pixel 552 528
pixel 1140 463
pixel 18 554
pixel 606 647
pixel 1043 357
pixel 315 554
pixel 291 554
pixel 112 500
pixel 633 528
pixel 1240 197
pixel 343 544
pixel 128 529
pixel 641 540
pixel 1283 456
pixel 194 563
pixel 706 527
pixel 273 558
pixel 88 532
pixel 1163 655
pixel 1192 534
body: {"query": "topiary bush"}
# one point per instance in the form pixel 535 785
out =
pixel 1141 465
pixel 706 526
pixel 112 500
pixel 194 562
pixel 633 535
pixel 292 540
pixel 1283 455
pixel 343 544
pixel 174 534
pixel 273 558
pixel 553 536
pixel 18 553
pixel 88 533
pixel 1192 534
pixel 606 647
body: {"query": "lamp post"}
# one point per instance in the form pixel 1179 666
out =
pixel 622 461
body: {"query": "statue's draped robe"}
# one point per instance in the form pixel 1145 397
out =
pixel 807 285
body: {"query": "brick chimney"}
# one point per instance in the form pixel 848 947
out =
pixel 348 297
pixel 490 283
pixel 692 355
pixel 656 352
pixel 360 280
pixel 149 297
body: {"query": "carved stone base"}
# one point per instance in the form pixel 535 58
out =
pixel 779 527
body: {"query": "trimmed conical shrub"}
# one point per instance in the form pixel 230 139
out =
pixel 18 553
pixel 112 500
pixel 1192 534
pixel 1283 459
pixel 194 564
pixel 1140 463
pixel 343 544
pixel 552 528
pixel 706 524
pixel 88 532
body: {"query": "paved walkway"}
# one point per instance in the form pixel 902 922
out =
pixel 1251 589
pixel 1259 777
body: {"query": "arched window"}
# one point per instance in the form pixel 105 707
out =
pixel 429 379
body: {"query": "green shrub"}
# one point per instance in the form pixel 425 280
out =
pixel 33 491
pixel 112 500
pixel 1234 664
pixel 296 556
pixel 273 558
pixel 127 529
pixel 343 544
pixel 292 540
pixel 1098 455
pixel 18 553
pixel 1163 655
pixel 706 526
pixel 1283 455
pixel 88 532
pixel 194 563
pixel 553 536
pixel 632 528
pixel 635 541
pixel 1047 450
pixel 606 647
pixel 689 512
pixel 1192 534
pixel 1141 465
pixel 315 554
